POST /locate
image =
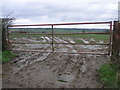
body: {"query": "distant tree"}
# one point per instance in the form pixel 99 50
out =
pixel 107 31
pixel 83 31
pixel 43 32
pixel 6 22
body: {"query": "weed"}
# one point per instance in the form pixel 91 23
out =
pixel 7 55
pixel 79 41
pixel 108 75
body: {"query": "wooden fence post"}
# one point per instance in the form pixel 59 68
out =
pixel 116 43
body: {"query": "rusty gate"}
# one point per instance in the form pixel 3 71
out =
pixel 53 34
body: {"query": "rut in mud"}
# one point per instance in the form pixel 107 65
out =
pixel 54 70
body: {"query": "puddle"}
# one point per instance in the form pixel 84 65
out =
pixel 83 68
pixel 85 41
pixel 47 38
pixel 65 78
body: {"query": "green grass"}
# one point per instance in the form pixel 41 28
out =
pixel 97 37
pixel 7 56
pixel 78 41
pixel 108 75
pixel 0 57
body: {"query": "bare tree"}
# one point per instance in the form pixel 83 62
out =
pixel 6 22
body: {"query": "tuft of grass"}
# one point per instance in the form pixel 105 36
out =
pixel 7 55
pixel 108 75
pixel 0 57
pixel 79 41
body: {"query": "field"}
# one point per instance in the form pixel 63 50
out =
pixel 21 32
pixel 56 70
pixel 56 30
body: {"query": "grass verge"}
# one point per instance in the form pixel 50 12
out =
pixel 6 56
pixel 108 75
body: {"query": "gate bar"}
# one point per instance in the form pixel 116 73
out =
pixel 56 43
pixel 60 24
pixel 60 33
pixel 94 53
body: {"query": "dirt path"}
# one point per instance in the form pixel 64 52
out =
pixel 53 70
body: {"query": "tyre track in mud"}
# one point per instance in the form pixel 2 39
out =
pixel 30 58
pixel 64 48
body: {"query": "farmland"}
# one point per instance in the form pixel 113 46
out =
pixel 56 30
pixel 24 31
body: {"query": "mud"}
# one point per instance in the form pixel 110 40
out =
pixel 54 70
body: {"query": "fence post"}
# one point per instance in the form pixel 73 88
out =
pixel 7 37
pixel 116 43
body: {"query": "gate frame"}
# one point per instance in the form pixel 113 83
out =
pixel 52 28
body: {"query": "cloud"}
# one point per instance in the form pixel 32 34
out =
pixel 55 11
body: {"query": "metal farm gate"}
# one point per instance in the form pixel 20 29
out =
pixel 52 33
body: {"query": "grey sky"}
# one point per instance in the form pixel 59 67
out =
pixel 58 11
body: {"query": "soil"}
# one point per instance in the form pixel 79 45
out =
pixel 54 70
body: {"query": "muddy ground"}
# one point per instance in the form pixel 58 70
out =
pixel 54 70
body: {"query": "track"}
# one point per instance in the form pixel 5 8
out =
pixel 53 70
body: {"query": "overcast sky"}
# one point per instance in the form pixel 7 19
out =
pixel 59 11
